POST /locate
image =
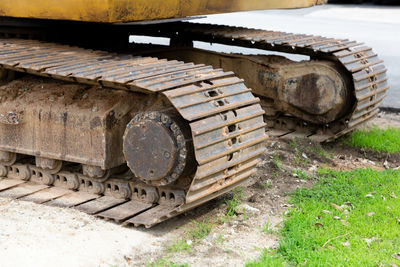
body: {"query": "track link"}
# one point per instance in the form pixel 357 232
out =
pixel 225 119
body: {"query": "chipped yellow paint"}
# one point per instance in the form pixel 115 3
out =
pixel 134 10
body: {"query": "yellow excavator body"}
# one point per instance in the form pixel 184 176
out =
pixel 110 11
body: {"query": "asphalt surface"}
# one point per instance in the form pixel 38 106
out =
pixel 376 26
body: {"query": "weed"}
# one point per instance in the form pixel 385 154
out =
pixel 299 159
pixel 301 174
pixel 179 246
pixel 267 229
pixel 200 230
pixel 320 151
pixel 237 195
pixel 293 144
pixel 267 184
pixel 220 239
pixel 245 215
pixel 197 232
pixel 277 161
pixel 232 203
pixel 166 262
pixel 228 250
pixel 380 140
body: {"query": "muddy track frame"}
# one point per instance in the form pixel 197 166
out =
pixel 227 128
pixel 364 68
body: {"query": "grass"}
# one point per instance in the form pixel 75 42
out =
pixel 320 151
pixel 380 140
pixel 220 239
pixel 232 203
pixel 179 246
pixel 277 162
pixel 299 157
pixel 301 174
pixel 347 219
pixel 267 184
pixel 165 262
pixel 200 229
pixel 197 232
pixel 267 229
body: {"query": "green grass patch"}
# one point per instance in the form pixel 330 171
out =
pixel 194 234
pixel 299 156
pixel 347 219
pixel 380 140
pixel 200 229
pixel 179 246
pixel 232 203
pixel 166 262
pixel 267 229
pixel 301 174
pixel 321 152
pixel 277 162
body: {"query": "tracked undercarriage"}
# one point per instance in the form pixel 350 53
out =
pixel 138 139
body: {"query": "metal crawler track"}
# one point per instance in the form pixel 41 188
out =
pixel 363 66
pixel 225 118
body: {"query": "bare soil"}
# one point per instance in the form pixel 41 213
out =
pixel 37 235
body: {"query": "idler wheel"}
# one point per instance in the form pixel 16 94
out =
pixel 155 148
pixel 7 158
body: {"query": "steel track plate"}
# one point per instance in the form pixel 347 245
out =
pixel 8 183
pixel 22 190
pixel 46 195
pixel 125 211
pixel 151 216
pixel 72 199
pixel 100 204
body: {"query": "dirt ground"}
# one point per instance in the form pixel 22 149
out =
pixel 37 235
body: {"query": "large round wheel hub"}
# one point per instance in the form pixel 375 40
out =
pixel 154 148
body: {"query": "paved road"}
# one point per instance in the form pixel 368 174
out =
pixel 377 26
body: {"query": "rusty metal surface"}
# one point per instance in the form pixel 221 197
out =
pixel 9 183
pixel 22 190
pixel 362 66
pixel 152 216
pixel 90 67
pixel 64 121
pixel 100 204
pixel 124 211
pixel 46 195
pixel 159 139
pixel 314 91
pixel 72 199
pixel 220 101
pixel 231 155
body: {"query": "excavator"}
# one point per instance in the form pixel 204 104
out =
pixel 138 133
